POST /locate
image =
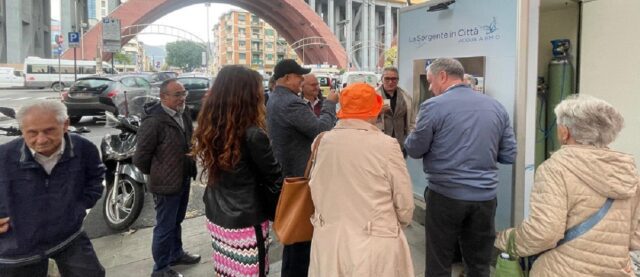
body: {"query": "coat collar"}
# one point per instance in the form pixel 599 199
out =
pixel 355 124
pixel 27 160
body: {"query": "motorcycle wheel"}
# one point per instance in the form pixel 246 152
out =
pixel 126 208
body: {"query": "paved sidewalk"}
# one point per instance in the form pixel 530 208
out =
pixel 130 254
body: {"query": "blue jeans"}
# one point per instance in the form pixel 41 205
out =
pixel 167 234
pixel 76 259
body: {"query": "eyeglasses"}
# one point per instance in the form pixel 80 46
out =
pixel 179 94
pixel 391 79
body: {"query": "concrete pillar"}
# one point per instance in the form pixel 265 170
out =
pixel 364 34
pixel 338 17
pixel 312 4
pixel 349 31
pixel 388 26
pixel 13 25
pixel 373 50
pixel 330 16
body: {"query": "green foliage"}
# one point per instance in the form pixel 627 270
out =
pixel 122 58
pixel 390 56
pixel 184 54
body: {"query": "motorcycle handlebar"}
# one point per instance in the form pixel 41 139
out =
pixel 11 131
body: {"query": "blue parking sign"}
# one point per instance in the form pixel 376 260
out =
pixel 74 39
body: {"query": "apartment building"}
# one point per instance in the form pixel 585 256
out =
pixel 243 38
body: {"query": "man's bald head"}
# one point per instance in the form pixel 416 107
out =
pixel 310 86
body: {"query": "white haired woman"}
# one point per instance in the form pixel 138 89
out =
pixel 574 184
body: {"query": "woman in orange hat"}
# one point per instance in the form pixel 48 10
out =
pixel 362 194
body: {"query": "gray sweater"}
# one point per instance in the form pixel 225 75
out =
pixel 293 126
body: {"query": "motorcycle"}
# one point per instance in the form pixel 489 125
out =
pixel 126 184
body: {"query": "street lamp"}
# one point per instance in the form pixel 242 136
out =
pixel 208 4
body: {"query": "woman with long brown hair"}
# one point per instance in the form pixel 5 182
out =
pixel 232 146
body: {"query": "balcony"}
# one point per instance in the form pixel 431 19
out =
pixel 256 37
pixel 256 49
pixel 257 62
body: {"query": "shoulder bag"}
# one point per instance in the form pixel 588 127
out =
pixel 292 222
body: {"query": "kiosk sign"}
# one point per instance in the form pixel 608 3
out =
pixel 111 35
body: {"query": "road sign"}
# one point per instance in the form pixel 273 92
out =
pixel 57 51
pixel 59 39
pixel 111 35
pixel 74 39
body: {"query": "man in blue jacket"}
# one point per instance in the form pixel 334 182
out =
pixel 460 136
pixel 48 179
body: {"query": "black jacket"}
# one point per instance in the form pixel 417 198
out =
pixel 234 200
pixel 162 149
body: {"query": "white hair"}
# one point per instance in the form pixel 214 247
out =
pixel 59 109
pixel 591 121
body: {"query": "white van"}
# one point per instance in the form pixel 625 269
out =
pixel 351 77
pixel 44 73
pixel 10 78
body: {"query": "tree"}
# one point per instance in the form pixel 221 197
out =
pixel 184 54
pixel 390 56
pixel 122 58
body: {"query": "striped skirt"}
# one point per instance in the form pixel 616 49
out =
pixel 240 252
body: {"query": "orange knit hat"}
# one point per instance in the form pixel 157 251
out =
pixel 360 101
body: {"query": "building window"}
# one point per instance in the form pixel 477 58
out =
pixel 241 31
pixel 241 17
pixel 242 56
pixel 269 32
pixel 242 43
pixel 270 57
pixel 269 45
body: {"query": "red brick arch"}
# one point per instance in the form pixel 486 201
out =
pixel 293 19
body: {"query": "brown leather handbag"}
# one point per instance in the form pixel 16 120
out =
pixel 295 207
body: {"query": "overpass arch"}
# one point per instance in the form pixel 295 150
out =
pixel 292 19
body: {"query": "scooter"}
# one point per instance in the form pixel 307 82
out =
pixel 126 184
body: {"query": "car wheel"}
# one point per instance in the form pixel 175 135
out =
pixel 57 86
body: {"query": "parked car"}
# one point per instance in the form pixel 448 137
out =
pixel 158 77
pixel 118 94
pixel 11 78
pixel 197 87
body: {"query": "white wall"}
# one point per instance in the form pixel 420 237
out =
pixel 610 64
pixel 556 24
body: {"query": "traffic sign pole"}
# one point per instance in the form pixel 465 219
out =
pixel 75 68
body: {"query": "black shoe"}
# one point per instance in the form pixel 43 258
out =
pixel 167 273
pixel 187 259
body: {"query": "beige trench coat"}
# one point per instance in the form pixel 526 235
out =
pixel 363 198
pixel 569 187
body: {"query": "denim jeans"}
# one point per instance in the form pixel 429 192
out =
pixel 167 234
pixel 77 259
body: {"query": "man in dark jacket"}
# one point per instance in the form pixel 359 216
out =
pixel 164 140
pixel 292 127
pixel 48 179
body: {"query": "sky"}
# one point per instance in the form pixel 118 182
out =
pixel 192 18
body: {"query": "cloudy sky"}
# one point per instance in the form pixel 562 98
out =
pixel 192 18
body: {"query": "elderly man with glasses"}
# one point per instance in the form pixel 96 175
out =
pixel 396 118
pixel 164 140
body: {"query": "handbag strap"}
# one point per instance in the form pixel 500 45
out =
pixel 312 156
pixel 586 225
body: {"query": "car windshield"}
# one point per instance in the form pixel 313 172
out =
pixel 92 84
pixel 194 83
pixel 362 78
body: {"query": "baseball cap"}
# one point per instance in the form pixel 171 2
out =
pixel 288 66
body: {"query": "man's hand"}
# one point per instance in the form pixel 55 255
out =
pixel 333 96
pixel 385 108
pixel 4 225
